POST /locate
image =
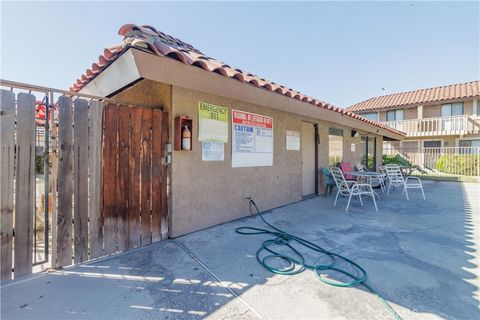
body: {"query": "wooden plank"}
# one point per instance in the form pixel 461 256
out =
pixel 80 180
pixel 95 179
pixel 53 181
pixel 123 177
pixel 64 182
pixel 109 178
pixel 7 150
pixel 156 174
pixel 24 184
pixel 164 191
pixel 145 177
pixel 134 196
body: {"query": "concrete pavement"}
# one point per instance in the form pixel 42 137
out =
pixel 422 256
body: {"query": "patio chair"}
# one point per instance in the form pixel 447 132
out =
pixel 385 176
pixel 360 167
pixel 329 183
pixel 350 188
pixel 396 179
pixel 346 167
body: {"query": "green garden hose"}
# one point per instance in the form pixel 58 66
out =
pixel 296 261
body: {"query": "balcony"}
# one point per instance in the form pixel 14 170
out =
pixel 439 126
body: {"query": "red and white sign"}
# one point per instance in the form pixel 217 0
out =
pixel 252 139
pixel 252 119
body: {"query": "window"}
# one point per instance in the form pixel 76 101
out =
pixel 432 144
pixel 369 153
pixel 335 145
pixel 371 116
pixel 395 115
pixel 469 143
pixel 478 108
pixel 452 109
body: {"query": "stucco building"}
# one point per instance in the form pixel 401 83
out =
pixel 277 163
pixel 446 116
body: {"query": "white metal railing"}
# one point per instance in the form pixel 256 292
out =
pixel 442 161
pixel 432 126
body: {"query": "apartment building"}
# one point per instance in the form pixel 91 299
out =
pixel 446 116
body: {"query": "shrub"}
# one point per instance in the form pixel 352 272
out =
pixel 461 164
pixel 396 159
pixel 39 164
pixel 368 162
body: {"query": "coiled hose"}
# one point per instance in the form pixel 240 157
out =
pixel 296 262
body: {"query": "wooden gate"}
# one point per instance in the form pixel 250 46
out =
pixel 86 179
pixel 134 177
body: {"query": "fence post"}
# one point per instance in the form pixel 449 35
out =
pixel 53 182
pixel 7 149
pixel 80 180
pixel 65 182
pixel 24 184
pixel 95 179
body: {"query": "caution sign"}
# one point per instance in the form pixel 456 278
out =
pixel 252 139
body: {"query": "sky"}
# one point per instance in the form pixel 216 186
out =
pixel 339 52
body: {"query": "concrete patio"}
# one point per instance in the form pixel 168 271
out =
pixel 422 256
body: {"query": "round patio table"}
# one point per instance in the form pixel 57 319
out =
pixel 367 175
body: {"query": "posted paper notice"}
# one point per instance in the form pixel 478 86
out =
pixel 252 139
pixel 213 151
pixel 293 140
pixel 212 123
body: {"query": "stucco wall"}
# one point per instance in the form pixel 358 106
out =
pixel 149 93
pixel 431 111
pixel 208 193
pixel 409 114
pixel 468 107
pixel 203 194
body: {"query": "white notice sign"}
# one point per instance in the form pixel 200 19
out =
pixel 293 140
pixel 212 122
pixel 213 151
pixel 252 140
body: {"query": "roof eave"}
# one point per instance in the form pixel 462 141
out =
pixel 119 74
pixel 135 64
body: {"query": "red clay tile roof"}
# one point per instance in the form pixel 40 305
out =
pixel 147 38
pixel 418 97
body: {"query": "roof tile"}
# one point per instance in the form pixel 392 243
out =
pixel 156 42
pixel 421 96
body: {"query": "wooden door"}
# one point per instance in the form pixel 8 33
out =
pixel 134 177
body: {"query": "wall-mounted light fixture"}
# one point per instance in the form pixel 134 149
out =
pixel 355 133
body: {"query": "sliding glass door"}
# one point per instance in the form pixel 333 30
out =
pixel 369 153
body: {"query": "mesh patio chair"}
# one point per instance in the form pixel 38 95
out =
pixel 360 167
pixel 329 183
pixel 351 188
pixel 346 167
pixel 382 170
pixel 397 180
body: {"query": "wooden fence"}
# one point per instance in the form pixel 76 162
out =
pixel 105 176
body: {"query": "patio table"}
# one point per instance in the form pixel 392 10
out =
pixel 367 175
